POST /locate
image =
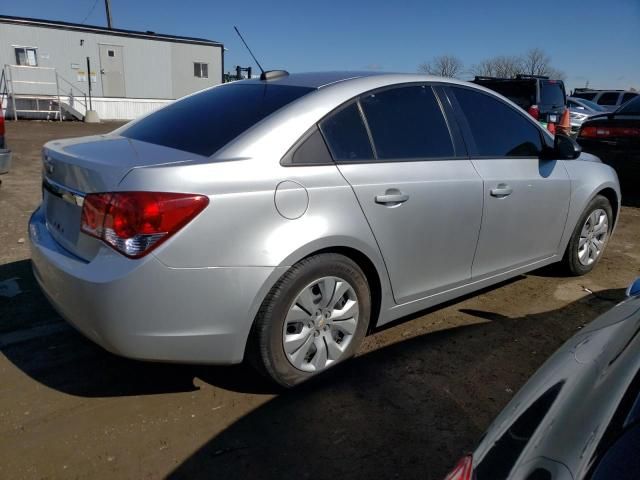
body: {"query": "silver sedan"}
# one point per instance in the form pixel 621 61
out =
pixel 279 220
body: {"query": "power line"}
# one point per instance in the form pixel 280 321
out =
pixel 90 11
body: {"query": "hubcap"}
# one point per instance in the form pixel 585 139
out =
pixel 593 237
pixel 320 324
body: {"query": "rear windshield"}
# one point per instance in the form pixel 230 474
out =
pixel 205 122
pixel 552 93
pixel 585 95
pixel 632 107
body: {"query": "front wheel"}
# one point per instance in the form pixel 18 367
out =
pixel 590 237
pixel 314 317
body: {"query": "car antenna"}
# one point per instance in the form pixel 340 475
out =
pixel 269 74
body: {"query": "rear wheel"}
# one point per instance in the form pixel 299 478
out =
pixel 314 317
pixel 590 237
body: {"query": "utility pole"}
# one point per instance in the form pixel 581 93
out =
pixel 107 6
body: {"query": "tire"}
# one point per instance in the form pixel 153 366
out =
pixel 274 351
pixel 574 258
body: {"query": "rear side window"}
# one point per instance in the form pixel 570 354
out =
pixel 407 123
pixel 312 151
pixel 347 136
pixel 205 122
pixel 608 98
pixel 497 129
pixel 552 93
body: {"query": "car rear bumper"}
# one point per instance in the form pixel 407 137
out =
pixel 145 310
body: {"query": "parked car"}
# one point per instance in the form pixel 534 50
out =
pixel 615 138
pixel 578 417
pixel 279 219
pixel 5 153
pixel 543 98
pixel 581 109
pixel 610 100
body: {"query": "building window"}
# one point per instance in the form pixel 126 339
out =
pixel 111 53
pixel 201 70
pixel 26 56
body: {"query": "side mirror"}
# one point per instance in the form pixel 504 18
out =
pixel 634 288
pixel 566 148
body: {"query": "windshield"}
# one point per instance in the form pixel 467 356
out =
pixel 206 121
pixel 592 105
pixel 632 107
pixel 552 93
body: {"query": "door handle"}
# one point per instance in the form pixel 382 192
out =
pixel 392 198
pixel 501 191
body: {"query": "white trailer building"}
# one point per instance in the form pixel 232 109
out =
pixel 45 73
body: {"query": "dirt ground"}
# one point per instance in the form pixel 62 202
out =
pixel 418 396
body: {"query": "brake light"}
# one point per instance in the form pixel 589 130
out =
pixel 1 121
pixel 463 470
pixel 534 111
pixel 134 223
pixel 605 132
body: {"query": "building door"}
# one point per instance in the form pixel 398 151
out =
pixel 112 71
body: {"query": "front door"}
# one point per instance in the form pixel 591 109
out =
pixel 112 71
pixel 525 198
pixel 423 203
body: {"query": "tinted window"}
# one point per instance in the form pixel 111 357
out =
pixel 585 95
pixel 608 98
pixel 346 135
pixel 628 96
pixel 498 129
pixel 633 107
pixel 312 151
pixel 407 123
pixel 205 122
pixel 552 93
pixel 520 92
pixel 621 461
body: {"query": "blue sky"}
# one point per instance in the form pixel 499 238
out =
pixel 588 39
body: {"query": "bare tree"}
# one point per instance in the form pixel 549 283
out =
pixel 537 62
pixel 443 66
pixel 505 66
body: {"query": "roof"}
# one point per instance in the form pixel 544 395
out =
pixel 318 79
pixel 77 27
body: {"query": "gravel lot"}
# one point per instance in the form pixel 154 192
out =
pixel 419 394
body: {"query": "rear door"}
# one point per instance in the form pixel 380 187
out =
pixel 112 70
pixel 526 199
pixel 418 190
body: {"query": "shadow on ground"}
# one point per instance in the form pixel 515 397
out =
pixel 404 411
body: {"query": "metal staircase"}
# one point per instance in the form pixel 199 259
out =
pixel 40 93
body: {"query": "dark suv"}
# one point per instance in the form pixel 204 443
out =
pixel 543 98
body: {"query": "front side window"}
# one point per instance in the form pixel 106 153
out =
pixel 585 95
pixel 201 70
pixel 407 123
pixel 608 98
pixel 631 108
pixel 206 121
pixel 497 129
pixel 26 56
pixel 628 96
pixel 347 136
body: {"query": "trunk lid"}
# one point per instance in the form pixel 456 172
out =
pixel 74 167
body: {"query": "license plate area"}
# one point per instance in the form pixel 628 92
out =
pixel 553 118
pixel 63 219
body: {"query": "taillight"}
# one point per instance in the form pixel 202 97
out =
pixel 134 223
pixel 1 121
pixel 463 470
pixel 534 111
pixel 605 132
